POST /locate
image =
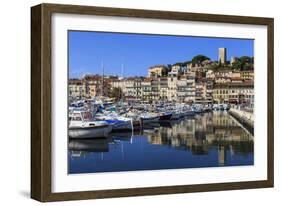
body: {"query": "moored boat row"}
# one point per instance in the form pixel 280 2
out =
pixel 89 119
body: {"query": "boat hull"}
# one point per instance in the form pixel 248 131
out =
pixel 189 114
pixel 90 132
pixel 149 120
pixel 120 125
pixel 176 116
pixel 165 117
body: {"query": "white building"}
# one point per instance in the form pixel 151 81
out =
pixel 172 87
pixel 186 88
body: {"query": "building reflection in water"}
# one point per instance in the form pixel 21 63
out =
pixel 202 133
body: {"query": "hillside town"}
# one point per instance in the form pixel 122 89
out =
pixel 198 81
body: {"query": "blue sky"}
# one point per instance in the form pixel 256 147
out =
pixel 137 52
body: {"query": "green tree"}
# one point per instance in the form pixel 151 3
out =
pixel 199 59
pixel 169 68
pixel 237 65
pixel 214 67
pixel 116 93
pixel 243 63
pixel 245 59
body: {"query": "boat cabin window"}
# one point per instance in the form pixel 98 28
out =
pixel 75 117
pixel 87 116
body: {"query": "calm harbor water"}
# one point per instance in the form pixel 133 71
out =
pixel 207 140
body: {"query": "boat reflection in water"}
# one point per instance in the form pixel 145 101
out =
pixel 207 140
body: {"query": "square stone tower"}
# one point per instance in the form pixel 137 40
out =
pixel 222 55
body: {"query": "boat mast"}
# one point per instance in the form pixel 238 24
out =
pixel 122 70
pixel 122 76
pixel 102 66
pixel 81 82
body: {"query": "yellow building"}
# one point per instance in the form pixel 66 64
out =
pixel 235 93
pixel 247 75
pixel 130 87
pixel 157 71
pixel 220 93
pixel 77 88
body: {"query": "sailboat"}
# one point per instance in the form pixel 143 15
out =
pixel 117 121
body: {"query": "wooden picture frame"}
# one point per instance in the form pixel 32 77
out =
pixel 41 117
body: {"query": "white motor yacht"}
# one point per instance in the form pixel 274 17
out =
pixel 82 125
